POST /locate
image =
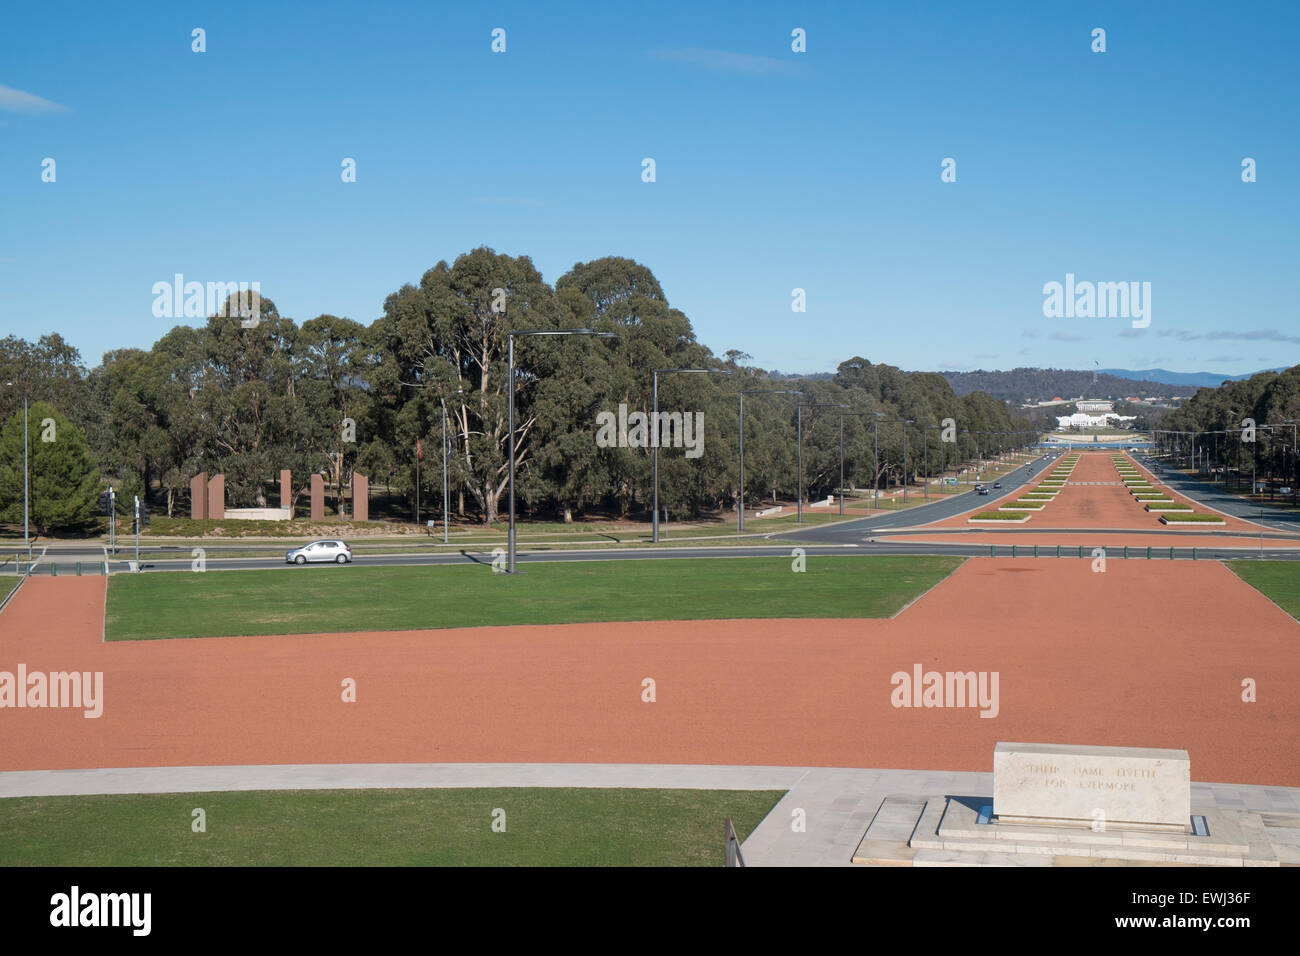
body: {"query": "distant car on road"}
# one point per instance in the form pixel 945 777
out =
pixel 327 550
pixel 1285 490
pixel 981 490
pixel 997 484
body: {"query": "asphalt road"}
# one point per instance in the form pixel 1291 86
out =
pixel 1230 504
pixel 854 531
pixel 842 538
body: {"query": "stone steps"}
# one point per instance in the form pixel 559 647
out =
pixel 934 830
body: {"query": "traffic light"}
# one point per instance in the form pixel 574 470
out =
pixel 105 502
pixel 144 514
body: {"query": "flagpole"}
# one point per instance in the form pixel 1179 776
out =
pixel 417 481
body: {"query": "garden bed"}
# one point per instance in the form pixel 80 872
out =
pixel 1191 520
pixel 999 517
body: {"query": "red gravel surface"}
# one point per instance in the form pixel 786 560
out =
pixel 1157 660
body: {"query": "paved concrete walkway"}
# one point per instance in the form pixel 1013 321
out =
pixel 819 821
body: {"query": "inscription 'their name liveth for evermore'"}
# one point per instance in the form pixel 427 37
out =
pixel 1091 778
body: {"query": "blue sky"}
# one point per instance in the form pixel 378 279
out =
pixel 775 169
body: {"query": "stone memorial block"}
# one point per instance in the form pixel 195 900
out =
pixel 360 497
pixel 217 496
pixel 286 488
pixel 317 498
pixel 1116 787
pixel 199 496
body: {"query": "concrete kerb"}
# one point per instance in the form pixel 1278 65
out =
pixel 204 779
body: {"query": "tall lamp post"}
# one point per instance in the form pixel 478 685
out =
pixel 904 422
pixel 654 432
pixel 842 417
pixel 444 469
pixel 1291 423
pixel 875 464
pixel 743 393
pixel 799 416
pixel 976 444
pixel 925 454
pixel 510 414
pixel 27 541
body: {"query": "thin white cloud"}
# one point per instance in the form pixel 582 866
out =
pixel 726 61
pixel 18 101
pixel 1253 335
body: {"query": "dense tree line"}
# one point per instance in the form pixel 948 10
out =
pixel 1214 426
pixel 248 402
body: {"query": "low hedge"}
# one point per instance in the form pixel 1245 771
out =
pixel 1194 517
pixel 1166 506
pixel 999 516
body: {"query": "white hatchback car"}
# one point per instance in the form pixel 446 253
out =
pixel 327 550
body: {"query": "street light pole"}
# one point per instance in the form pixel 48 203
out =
pixel 740 494
pixel 27 541
pixel 875 465
pixel 654 434
pixel 897 421
pixel 510 417
pixel 925 454
pixel 905 424
pixel 444 470
pixel 743 392
pixel 841 465
pixel 799 415
pixel 925 460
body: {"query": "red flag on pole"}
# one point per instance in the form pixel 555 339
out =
pixel 419 452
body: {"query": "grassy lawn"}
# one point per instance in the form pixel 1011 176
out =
pixel 452 827
pixel 331 599
pixel 1277 580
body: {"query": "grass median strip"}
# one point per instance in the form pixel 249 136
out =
pixel 434 827
pixel 328 599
